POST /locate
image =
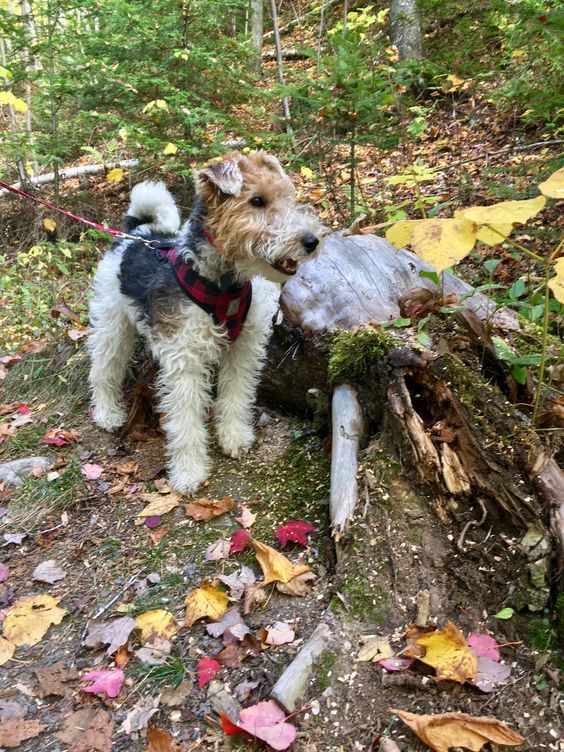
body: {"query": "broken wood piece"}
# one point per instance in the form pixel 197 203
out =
pixel 291 686
pixel 222 702
pixel 423 602
pixel 347 425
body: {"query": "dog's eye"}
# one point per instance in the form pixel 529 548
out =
pixel 257 201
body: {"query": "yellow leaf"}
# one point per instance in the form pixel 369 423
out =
pixel 6 97
pixel 493 234
pixel 441 732
pixel 443 242
pixel 7 649
pixel 157 504
pixel 504 212
pixel 447 651
pixel 158 622
pixel 205 601
pixel 399 235
pixel 115 175
pixel 28 619
pixel 122 133
pixel 375 649
pixel 306 172
pixel 170 148
pixel 49 224
pixel 556 284
pixel 275 566
pixel 554 186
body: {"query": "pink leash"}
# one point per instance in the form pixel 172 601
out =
pixel 95 225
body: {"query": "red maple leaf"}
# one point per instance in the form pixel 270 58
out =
pixel 296 532
pixel 239 541
pixel 207 669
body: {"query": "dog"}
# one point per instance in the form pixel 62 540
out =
pixel 204 296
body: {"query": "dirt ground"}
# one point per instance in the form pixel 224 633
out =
pixel 367 585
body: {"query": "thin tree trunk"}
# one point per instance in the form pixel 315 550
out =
pixel 20 166
pixel 279 69
pixel 405 29
pixel 257 30
pixel 27 16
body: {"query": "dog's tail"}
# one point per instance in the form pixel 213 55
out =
pixel 153 207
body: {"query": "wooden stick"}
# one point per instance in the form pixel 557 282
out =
pixel 347 429
pixel 291 686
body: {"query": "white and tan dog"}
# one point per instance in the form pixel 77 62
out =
pixel 204 299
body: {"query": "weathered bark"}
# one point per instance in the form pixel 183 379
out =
pixel 279 67
pixel 347 431
pixel 405 29
pixel 257 30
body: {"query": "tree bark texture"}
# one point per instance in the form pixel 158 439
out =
pixel 405 29
pixel 257 30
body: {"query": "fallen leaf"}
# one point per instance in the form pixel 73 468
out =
pixel 91 472
pixel 231 620
pixel 158 622
pixel 108 682
pixel 161 741
pixel 16 730
pixel 203 510
pixel 275 566
pixel 140 715
pixel 396 663
pixel 296 532
pixel 88 730
pixel 375 649
pixel 114 633
pixel 9 709
pixel 7 650
pixel 490 673
pixel 483 645
pixel 52 679
pixel 447 730
pixel 279 634
pixel 4 572
pixel 59 437
pixel 237 581
pixel 153 521
pixel 157 505
pixel 206 601
pixel 15 538
pixel 239 541
pixel 265 721
pixel 236 651
pixel 175 696
pixel 155 652
pixel 447 651
pixel 247 518
pixel 48 571
pixel 299 586
pixel 115 175
pixel 505 613
pixel 255 596
pixel 243 690
pixel 218 550
pixel 29 618
pixel 207 668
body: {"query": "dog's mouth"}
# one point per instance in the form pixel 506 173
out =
pixel 287 266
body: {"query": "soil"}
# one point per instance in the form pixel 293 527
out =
pixel 367 585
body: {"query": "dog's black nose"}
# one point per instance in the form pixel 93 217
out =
pixel 310 243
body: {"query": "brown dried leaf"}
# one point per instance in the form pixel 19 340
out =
pixel 254 596
pixel 96 736
pixel 235 653
pixel 51 679
pixel 203 510
pixel 300 586
pixel 441 732
pixel 16 730
pixel 162 741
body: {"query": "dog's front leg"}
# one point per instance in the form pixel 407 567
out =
pixel 239 375
pixel 184 396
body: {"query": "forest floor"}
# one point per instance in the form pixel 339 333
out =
pixel 110 564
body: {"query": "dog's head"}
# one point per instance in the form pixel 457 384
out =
pixel 252 214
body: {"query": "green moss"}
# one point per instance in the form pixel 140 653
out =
pixel 361 599
pixel 528 342
pixel 27 441
pixel 352 354
pixel 323 667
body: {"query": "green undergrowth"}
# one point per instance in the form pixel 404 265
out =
pixel 352 354
pixel 38 498
pixel 293 486
pixel 57 377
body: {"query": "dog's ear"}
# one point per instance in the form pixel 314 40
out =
pixel 225 176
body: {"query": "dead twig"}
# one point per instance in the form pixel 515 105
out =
pixel 472 523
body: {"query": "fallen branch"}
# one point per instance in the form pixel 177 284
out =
pixel 291 685
pixel 292 54
pixel 347 429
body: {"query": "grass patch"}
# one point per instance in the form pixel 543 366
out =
pixel 26 442
pixel 39 497
pixel 171 673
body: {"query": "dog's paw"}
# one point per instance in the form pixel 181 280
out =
pixel 185 481
pixel 236 443
pixel 109 418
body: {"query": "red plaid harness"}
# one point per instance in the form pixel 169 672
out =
pixel 228 308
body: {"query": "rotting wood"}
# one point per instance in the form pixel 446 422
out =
pixel 347 424
pixel 292 54
pixel 290 687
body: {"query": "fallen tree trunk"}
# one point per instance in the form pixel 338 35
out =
pixel 443 408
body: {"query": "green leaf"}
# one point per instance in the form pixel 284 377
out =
pixel 502 350
pixel 519 373
pixel 424 339
pixel 505 613
pixel 396 323
pixel 433 276
pixel 491 264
